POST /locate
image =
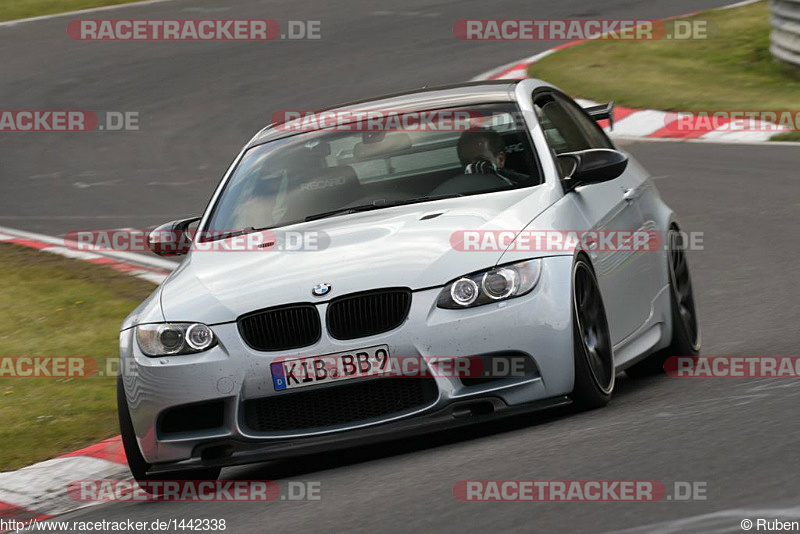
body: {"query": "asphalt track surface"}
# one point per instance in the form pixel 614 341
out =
pixel 200 102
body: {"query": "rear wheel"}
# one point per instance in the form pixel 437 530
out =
pixel 593 353
pixel 136 461
pixel 685 327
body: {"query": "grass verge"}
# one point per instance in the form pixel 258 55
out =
pixel 787 136
pixel 734 70
pixel 54 306
pixel 22 9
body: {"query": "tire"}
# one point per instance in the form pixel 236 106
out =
pixel 137 463
pixel 685 327
pixel 592 349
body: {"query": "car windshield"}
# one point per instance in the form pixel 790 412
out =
pixel 331 172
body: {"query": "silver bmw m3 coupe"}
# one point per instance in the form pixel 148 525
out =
pixel 398 266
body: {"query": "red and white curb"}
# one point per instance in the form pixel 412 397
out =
pixel 147 268
pixel 631 123
pixel 39 491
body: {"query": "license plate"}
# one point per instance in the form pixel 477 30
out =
pixel 302 372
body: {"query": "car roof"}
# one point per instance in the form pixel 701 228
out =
pixel 464 94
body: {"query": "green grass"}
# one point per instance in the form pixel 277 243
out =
pixel 732 71
pixel 20 9
pixel 54 306
pixel 788 136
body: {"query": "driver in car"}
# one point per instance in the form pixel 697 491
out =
pixel 483 152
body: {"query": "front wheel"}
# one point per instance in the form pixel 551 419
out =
pixel 592 348
pixel 685 327
pixel 137 463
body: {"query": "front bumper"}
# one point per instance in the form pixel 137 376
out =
pixel 231 451
pixel 538 326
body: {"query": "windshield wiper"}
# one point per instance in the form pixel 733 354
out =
pixel 224 235
pixel 378 204
pixel 216 236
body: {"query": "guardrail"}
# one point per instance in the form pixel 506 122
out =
pixel 786 30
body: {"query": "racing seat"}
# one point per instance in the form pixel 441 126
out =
pixel 321 190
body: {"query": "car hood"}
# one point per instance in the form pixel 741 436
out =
pixel 403 246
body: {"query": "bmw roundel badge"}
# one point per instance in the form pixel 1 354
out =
pixel 320 290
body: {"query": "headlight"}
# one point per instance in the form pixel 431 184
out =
pixel 174 338
pixel 464 292
pixel 496 284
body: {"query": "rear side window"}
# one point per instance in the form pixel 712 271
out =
pixel 595 136
pixel 566 127
pixel 562 134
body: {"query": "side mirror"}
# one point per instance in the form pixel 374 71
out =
pixel 592 166
pixel 172 239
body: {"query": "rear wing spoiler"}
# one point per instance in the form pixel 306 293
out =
pixel 602 112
